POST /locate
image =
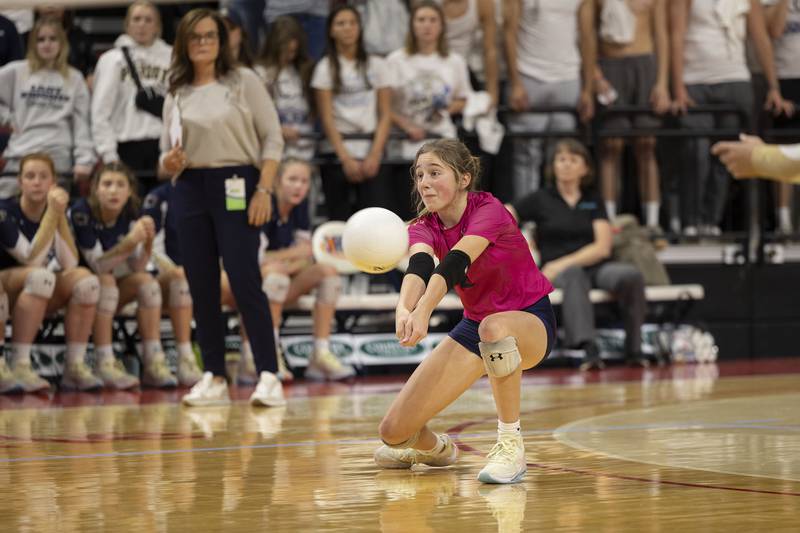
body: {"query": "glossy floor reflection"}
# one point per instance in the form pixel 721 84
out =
pixel 693 447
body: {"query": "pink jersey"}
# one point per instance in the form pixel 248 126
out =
pixel 504 277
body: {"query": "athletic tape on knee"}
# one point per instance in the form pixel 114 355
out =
pixel 329 289
pixel 501 357
pixel 86 291
pixel 40 282
pixel 276 287
pixel 408 443
pixel 109 299
pixel 4 313
pixel 149 294
pixel 179 295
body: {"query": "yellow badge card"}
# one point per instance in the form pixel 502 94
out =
pixel 234 194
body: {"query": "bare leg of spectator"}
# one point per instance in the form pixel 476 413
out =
pixel 649 180
pixel 610 173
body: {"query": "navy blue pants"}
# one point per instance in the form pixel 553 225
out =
pixel 206 232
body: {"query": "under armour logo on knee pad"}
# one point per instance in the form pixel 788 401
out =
pixel 501 358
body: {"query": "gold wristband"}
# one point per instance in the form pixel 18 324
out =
pixel 261 188
pixel 770 161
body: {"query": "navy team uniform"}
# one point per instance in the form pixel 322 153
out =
pixel 156 205
pixel 16 236
pixel 280 234
pixel 94 238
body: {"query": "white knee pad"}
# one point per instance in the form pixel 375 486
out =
pixel 276 287
pixel 109 299
pixel 501 357
pixel 149 294
pixel 4 313
pixel 329 289
pixel 179 295
pixel 40 282
pixel 86 291
pixel 408 443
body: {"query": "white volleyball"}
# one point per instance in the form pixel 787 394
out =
pixel 375 240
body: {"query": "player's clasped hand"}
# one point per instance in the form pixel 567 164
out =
pixel 414 328
pixel 149 226
pixel 57 199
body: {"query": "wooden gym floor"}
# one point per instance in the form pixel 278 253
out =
pixel 684 448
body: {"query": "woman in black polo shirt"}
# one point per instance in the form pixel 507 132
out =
pixel 574 238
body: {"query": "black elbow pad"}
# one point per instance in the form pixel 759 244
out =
pixel 453 269
pixel 420 264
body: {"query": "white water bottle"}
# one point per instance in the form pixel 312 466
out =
pixel 608 97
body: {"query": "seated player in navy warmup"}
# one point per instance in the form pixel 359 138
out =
pixel 116 244
pixel 289 270
pixel 177 300
pixel 40 274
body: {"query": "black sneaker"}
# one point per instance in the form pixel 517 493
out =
pixel 592 359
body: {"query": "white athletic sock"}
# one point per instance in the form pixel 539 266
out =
pixel 651 210
pixel 321 345
pixel 21 353
pixel 151 349
pixel 508 428
pixel 784 218
pixel 103 353
pixel 611 210
pixel 76 351
pixel 185 350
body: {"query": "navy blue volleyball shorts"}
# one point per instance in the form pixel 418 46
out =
pixel 466 331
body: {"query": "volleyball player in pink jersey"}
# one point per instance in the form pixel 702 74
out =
pixel 508 323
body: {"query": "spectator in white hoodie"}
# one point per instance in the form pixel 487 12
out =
pixel 123 131
pixel 46 104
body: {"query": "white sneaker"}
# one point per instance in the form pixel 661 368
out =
pixel 113 375
pixel 325 365
pixel 208 391
pixel 246 374
pixel 8 383
pixel 79 376
pixel 269 391
pixel 188 371
pixel 156 373
pixel 444 454
pixel 29 380
pixel 506 461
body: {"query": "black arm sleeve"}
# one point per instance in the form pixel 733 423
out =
pixel 421 264
pixel 454 269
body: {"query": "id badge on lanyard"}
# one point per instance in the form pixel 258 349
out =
pixel 235 194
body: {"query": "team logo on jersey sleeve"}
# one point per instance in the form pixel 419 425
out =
pixel 81 219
